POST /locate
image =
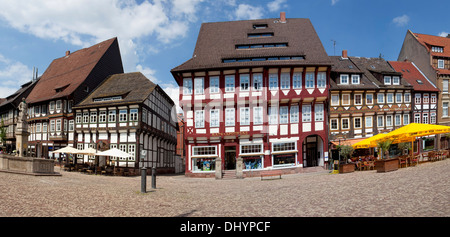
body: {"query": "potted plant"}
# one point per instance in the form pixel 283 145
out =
pixel 385 164
pixel 346 151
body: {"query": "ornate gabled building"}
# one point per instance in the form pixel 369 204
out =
pixel 431 54
pixel 367 97
pixel 254 96
pixel 66 82
pixel 128 112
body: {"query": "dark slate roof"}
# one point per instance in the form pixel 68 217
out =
pixel 411 74
pixel 217 41
pixel 134 87
pixel 373 66
pixel 68 72
pixel 15 98
pixel 346 66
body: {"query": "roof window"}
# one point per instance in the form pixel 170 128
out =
pixel 437 49
pixel 258 46
pixel 420 82
pixel 259 26
pixel 233 60
pixel 259 35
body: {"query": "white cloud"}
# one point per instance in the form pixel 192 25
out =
pixel 333 2
pixel 248 12
pixel 85 22
pixel 12 75
pixel 401 20
pixel 443 34
pixel 276 5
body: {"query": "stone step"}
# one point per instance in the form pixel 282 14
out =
pixel 229 174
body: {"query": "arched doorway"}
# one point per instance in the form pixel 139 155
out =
pixel 312 151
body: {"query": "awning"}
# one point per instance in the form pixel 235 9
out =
pixel 349 142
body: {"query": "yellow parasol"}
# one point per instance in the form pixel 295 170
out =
pixel 410 132
pixel 369 142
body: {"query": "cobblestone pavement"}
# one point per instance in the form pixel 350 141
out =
pixel 408 192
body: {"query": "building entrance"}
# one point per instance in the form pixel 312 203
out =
pixel 230 157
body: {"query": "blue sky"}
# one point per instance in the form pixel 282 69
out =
pixel 158 35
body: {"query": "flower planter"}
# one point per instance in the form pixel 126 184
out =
pixel 386 165
pixel 346 168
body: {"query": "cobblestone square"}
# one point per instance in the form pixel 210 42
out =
pixel 421 191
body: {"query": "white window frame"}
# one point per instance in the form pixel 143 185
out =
pixel 297 80
pixel 294 113
pixel 441 63
pixel 425 118
pixel 368 121
pixel 387 80
pixel 230 83
pixel 390 95
pixel 306 113
pixel 199 86
pixel 284 114
pixel 187 86
pixel 371 100
pixel 378 121
pixel 348 123
pixel 230 116
pixel 273 115
pixel 360 101
pixel 445 109
pixel 244 80
pixel 432 118
pixel 319 112
pixel 244 118
pixel 360 122
pixel 285 81
pixel 398 98
pixel 214 85
pixel 380 95
pixel 433 99
pixel 112 116
pixel 310 80
pixel 389 123
pixel 199 119
pixel 399 121
pixel 123 115
pixel 417 118
pixel 333 99
pixel 405 119
pixel 273 81
pixel 407 98
pixel 214 118
pixel 395 80
pixel 102 117
pixel 355 79
pixel 445 86
pixel 418 99
pixel 258 115
pixel 337 124
pixel 321 80
pixel 344 79
pixel 342 101
pixel 257 81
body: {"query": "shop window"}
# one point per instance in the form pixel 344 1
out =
pixel 204 164
pixel 251 149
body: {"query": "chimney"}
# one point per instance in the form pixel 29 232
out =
pixel 283 17
pixel 344 54
pixel 67 53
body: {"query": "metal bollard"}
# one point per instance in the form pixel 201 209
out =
pixel 154 177
pixel 143 180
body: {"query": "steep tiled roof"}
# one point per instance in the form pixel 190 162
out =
pixel 413 75
pixel 133 87
pixel 66 74
pixel 17 96
pixel 218 41
pixel 432 40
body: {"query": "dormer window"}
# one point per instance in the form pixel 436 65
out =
pixel 387 80
pixel 344 79
pixel 395 80
pixel 437 49
pixel 355 79
pixel 259 35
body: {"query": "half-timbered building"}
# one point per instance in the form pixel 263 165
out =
pixel 66 82
pixel 128 112
pixel 254 96
pixel 367 97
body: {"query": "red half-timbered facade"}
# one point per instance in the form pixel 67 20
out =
pixel 254 98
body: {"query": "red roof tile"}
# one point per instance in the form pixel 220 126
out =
pixel 432 40
pixel 66 74
pixel 411 74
